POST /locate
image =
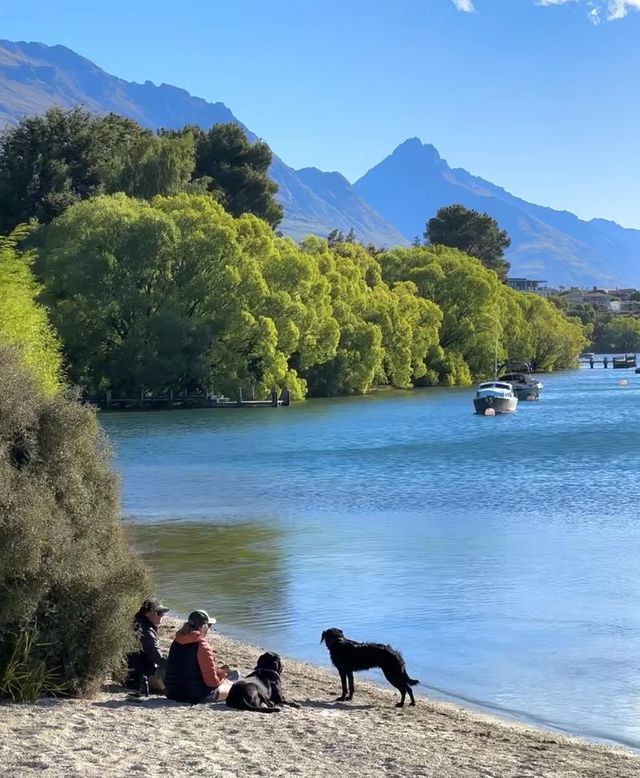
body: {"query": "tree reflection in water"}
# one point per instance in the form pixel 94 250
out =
pixel 235 571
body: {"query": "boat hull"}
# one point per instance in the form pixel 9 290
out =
pixel 524 385
pixel 526 392
pixel 498 404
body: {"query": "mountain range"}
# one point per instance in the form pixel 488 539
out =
pixel 388 206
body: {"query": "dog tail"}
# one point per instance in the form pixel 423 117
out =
pixel 410 681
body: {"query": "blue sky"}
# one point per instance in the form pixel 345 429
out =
pixel 541 97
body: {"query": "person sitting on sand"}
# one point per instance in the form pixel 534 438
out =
pixel 149 659
pixel 192 674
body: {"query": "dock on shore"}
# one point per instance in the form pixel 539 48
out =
pixel 623 361
pixel 110 401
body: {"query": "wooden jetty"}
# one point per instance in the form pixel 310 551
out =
pixel 627 360
pixel 146 401
pixel 624 361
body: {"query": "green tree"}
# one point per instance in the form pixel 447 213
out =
pixel 557 340
pixel 472 232
pixel 237 171
pixel 131 297
pixel 23 322
pixel 176 293
pixel 50 162
pixel 622 334
pixel 467 295
pixel 385 330
pixel 47 163
pixel 151 165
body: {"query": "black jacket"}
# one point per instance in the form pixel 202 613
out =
pixel 147 660
pixel 188 665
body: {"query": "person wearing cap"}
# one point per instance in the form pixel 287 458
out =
pixel 192 674
pixel 148 660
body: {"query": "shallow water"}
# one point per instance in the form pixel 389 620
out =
pixel 499 554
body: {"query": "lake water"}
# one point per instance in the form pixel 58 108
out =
pixel 501 555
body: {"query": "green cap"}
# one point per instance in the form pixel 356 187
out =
pixel 198 618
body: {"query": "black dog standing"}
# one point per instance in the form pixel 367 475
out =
pixel 261 690
pixel 348 657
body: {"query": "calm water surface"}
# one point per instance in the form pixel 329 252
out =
pixel 501 555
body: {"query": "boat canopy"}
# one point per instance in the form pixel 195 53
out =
pixel 495 385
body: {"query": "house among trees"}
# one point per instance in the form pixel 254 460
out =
pixel 525 284
pixel 598 299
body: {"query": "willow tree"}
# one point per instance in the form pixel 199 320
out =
pixel 359 354
pixel 297 299
pixel 557 340
pixel 23 322
pixel 385 330
pixel 176 293
pixel 467 295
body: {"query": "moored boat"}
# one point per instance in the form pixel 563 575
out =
pixel 496 395
pixel 525 385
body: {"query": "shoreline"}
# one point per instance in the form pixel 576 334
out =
pixel 108 735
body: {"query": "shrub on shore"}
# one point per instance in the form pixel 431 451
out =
pixel 68 582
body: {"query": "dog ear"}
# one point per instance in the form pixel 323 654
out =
pixel 323 638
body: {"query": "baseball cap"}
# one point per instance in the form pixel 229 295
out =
pixel 153 605
pixel 198 618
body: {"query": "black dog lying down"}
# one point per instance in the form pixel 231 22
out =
pixel 348 657
pixel 261 690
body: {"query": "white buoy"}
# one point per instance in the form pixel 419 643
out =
pixel 623 382
pixel 489 412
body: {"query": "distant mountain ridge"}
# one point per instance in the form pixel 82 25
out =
pixel 388 206
pixel 414 181
pixel 33 77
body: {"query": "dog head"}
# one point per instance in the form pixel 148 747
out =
pixel 270 661
pixel 330 636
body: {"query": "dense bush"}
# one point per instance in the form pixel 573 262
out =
pixel 68 583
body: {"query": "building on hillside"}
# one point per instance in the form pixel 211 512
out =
pixel 549 291
pixel 622 294
pixel 601 301
pixel 624 307
pixel 526 284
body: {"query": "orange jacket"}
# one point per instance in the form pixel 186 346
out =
pixel 211 674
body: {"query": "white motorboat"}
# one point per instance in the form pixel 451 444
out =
pixel 497 395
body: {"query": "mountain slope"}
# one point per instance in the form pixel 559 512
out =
pixel 409 186
pixel 33 77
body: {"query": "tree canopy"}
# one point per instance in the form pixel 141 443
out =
pixel 175 293
pixel 50 162
pixel 476 234
pixel 621 334
pixel 237 171
pixel 23 322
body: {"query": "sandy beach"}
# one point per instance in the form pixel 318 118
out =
pixel 110 736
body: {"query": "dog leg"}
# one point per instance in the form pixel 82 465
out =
pixel 350 679
pixel 343 681
pixel 410 692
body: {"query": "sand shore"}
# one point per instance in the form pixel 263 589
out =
pixel 109 736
